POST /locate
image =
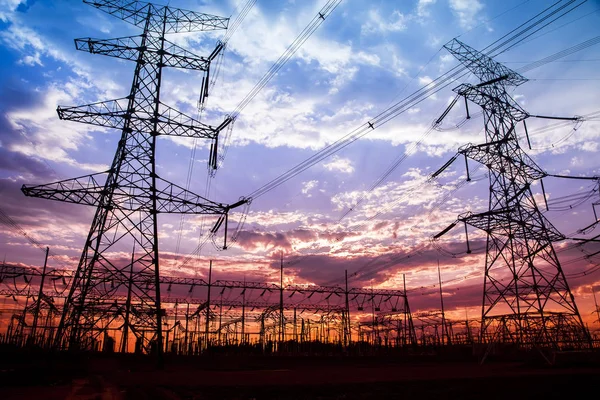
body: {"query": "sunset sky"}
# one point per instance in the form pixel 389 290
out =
pixel 364 58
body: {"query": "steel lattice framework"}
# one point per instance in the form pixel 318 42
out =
pixel 526 296
pixel 130 195
pixel 221 305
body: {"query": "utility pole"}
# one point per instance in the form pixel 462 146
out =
pixel 373 330
pixel 220 318
pixel 409 328
pixel 38 303
pixel 468 326
pixel 347 326
pixel 244 312
pixel 206 330
pixel 186 337
pixel 262 331
pixel 21 323
pixel 444 331
pixel 281 321
pixel 596 304
pixel 295 329
pixel 129 196
pixel 128 304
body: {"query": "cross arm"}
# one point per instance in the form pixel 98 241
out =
pixel 489 155
pixel 492 97
pixel 174 199
pixel 178 57
pixel 502 221
pixel 105 113
pixel 175 123
pixel 176 20
pixel 112 114
pixel 128 48
pixel 482 65
pixel 82 190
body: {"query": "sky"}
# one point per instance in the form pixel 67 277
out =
pixel 365 57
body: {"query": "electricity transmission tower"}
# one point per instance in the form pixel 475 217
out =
pixel 526 298
pixel 117 282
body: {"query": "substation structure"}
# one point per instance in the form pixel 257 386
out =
pixel 527 300
pixel 199 315
pixel 128 305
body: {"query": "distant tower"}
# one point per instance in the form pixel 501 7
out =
pixel 111 290
pixel 526 298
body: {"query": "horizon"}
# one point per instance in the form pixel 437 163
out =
pixel 334 217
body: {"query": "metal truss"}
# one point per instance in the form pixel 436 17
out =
pixel 526 296
pixel 387 328
pixel 211 309
pixel 165 19
pixel 433 329
pixel 117 114
pixel 553 328
pixel 483 66
pixel 130 195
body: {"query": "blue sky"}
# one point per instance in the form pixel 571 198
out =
pixel 366 56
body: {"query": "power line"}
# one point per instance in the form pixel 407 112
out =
pixel 402 105
pixel 501 45
pixel 535 65
pixel 232 28
pixel 306 33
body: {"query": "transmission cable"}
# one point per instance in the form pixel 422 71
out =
pixel 224 41
pixel 531 66
pixel 561 54
pixel 317 20
pixel 308 31
pixel 581 199
pixel 410 101
pixel 417 97
pixel 386 174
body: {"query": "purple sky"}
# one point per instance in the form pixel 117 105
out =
pixel 365 57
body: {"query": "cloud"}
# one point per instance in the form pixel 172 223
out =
pixel 26 40
pixel 589 146
pixel 466 11
pixel 265 242
pixel 49 137
pixel 260 50
pixel 423 7
pixel 376 23
pixel 308 186
pixel 425 80
pixel 32 60
pixel 343 165
pixel 7 9
pixel 341 77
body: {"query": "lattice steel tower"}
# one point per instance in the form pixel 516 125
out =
pixel 526 297
pixel 112 291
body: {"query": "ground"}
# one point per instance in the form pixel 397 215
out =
pixel 114 377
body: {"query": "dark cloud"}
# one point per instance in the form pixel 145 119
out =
pixel 253 240
pixel 248 240
pixel 24 6
pixel 21 164
pixel 26 210
pixel 17 95
pixel 38 219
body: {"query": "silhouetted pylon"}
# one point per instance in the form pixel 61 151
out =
pixel 109 290
pixel 526 298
